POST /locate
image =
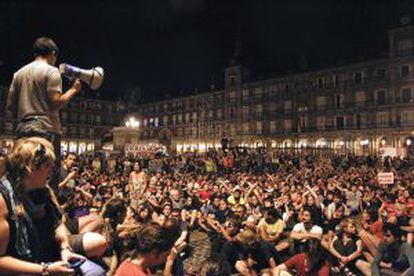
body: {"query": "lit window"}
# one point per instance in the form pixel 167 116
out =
pixel 259 127
pixel 360 97
pixel 272 126
pixel 321 102
pixel 407 118
pixel 382 118
pixel 288 105
pixel 288 125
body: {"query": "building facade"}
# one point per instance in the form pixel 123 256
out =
pixel 360 108
pixel 85 123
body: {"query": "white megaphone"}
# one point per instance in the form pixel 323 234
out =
pixel 93 77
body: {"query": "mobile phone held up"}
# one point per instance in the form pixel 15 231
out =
pixel 76 263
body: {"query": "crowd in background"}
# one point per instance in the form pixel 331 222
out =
pixel 293 214
pixel 263 213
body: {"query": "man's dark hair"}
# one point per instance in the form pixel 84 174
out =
pixel 317 256
pixel 273 213
pixel 114 211
pixel 373 213
pixel 394 229
pixel 214 196
pixel 152 236
pixel 309 210
pixel 44 46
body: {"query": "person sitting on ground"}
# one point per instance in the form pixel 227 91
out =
pixel 306 264
pixel 154 246
pixel 103 243
pixel 393 254
pixel 271 228
pixel 27 228
pixel 347 248
pixel 255 255
pixel 215 266
pixel 304 231
pixel 371 231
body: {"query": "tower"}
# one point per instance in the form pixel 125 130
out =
pixel 236 73
pixel 401 38
pixel 235 76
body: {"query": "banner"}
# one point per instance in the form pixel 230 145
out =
pixel 392 152
pixel 147 149
pixel 385 178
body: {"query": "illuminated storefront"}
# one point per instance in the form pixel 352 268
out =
pixel 77 146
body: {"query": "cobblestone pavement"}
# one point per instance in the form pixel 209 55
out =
pixel 200 250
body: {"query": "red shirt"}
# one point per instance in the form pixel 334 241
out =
pixel 410 205
pixel 128 268
pixel 300 262
pixel 204 195
pixel 229 162
pixel 376 229
pixel 391 209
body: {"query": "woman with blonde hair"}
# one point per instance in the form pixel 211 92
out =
pixel 28 213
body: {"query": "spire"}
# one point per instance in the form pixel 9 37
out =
pixel 236 58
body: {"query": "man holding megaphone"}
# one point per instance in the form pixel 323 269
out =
pixel 36 96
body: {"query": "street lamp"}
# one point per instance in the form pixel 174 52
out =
pixel 132 122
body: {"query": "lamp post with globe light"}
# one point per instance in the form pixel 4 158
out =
pixel 132 123
pixel 128 133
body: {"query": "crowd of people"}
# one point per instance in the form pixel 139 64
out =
pixel 292 213
pixel 296 214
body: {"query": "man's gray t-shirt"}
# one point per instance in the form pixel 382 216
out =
pixel 30 86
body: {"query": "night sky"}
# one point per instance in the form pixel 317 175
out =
pixel 174 46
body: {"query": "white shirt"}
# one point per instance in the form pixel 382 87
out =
pixel 300 228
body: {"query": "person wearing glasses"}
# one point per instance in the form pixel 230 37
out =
pixel 35 94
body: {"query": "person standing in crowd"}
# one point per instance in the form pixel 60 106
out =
pixel 26 228
pixel 137 181
pixel 36 96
